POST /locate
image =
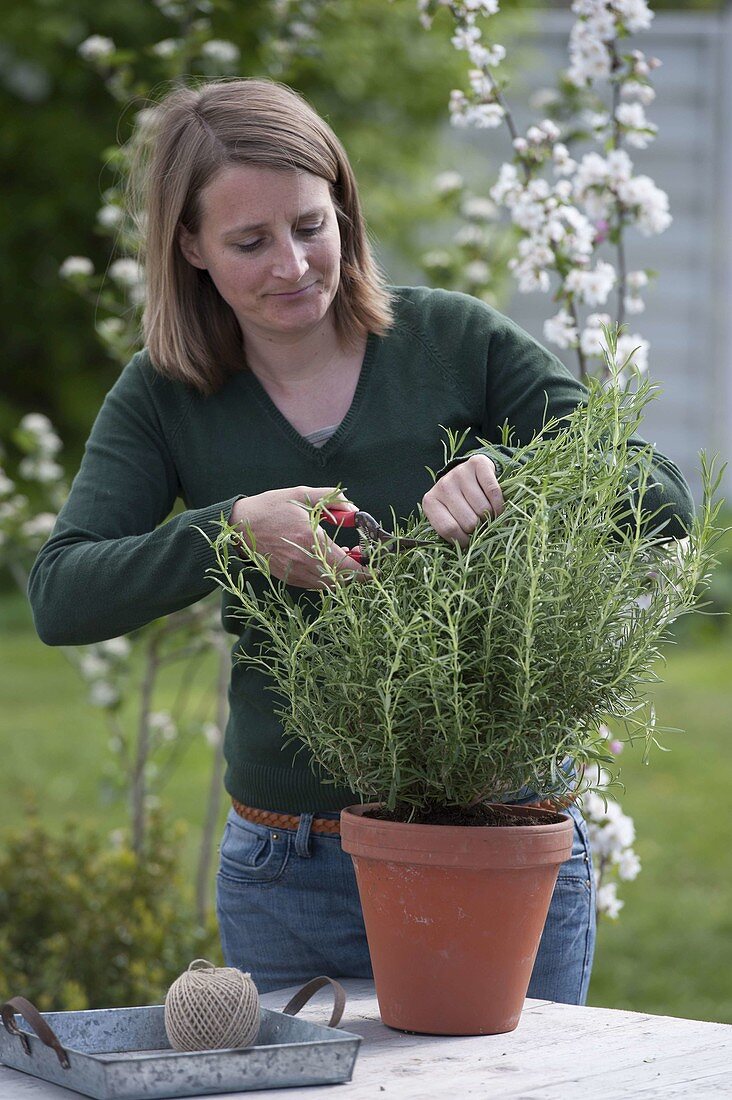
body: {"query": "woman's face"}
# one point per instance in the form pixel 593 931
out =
pixel 270 241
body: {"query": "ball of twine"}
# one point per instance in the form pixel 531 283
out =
pixel 209 1007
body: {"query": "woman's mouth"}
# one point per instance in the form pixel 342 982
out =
pixel 294 293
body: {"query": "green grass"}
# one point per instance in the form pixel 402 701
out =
pixel 54 745
pixel 668 953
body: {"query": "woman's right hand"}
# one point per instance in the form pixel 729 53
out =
pixel 273 518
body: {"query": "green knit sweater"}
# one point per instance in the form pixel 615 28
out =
pixel 112 564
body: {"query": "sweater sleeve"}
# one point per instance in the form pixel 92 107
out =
pixel 111 564
pixel 525 386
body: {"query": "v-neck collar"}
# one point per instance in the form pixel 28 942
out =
pixel 332 444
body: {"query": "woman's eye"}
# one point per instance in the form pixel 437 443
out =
pixel 305 230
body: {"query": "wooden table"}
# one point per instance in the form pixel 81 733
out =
pixel 558 1052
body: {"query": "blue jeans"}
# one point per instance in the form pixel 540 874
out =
pixel 288 909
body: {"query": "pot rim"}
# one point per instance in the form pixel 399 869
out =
pixel 468 846
pixel 360 809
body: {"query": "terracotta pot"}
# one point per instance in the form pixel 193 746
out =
pixel 454 915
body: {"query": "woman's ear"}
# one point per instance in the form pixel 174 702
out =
pixel 188 243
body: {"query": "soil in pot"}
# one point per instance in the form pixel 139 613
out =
pixel 481 814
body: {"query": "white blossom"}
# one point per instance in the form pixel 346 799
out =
pixel 608 901
pixel 480 84
pixel 633 304
pixel 633 116
pixel 629 865
pixel 543 98
pixel 223 53
pixel 480 7
pixel 39 525
pixel 448 183
pixel 103 694
pixel 550 129
pixel 636 280
pixel 596 120
pixel 592 287
pixel 477 272
pixel 302 31
pixel 6 485
pixel 109 327
pixel 212 734
pixel 116 648
pixel 36 423
pixel 40 469
pixel 170 9
pixel 92 666
pixel 529 278
pixel 561 330
pixel 484 116
pixel 486 57
pixel 563 163
pixel 528 215
pixel 168 47
pixel 76 265
pixel 470 235
pixel 162 723
pixel 465 37
pixel 592 340
pixel 649 203
pixel 110 216
pixel 634 89
pixel 635 14
pixel 437 258
pixel 479 209
pixel 96 48
pixel 11 509
pixel 636 347
pixel 127 272
pixel 590 58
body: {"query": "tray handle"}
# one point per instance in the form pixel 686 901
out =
pixel 303 995
pixel 30 1013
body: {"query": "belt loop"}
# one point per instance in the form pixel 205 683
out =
pixel 302 838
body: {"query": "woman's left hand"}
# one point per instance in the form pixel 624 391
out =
pixel 468 493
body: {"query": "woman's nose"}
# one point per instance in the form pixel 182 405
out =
pixel 290 262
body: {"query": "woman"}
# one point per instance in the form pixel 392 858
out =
pixel 277 367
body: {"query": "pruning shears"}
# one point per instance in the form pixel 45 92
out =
pixel 370 534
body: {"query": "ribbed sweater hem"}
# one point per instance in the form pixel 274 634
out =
pixel 286 790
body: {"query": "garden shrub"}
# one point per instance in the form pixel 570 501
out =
pixel 85 923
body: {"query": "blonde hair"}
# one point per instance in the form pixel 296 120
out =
pixel 191 333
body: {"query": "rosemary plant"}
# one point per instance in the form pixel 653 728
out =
pixel 455 676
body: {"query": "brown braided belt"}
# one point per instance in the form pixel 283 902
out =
pixel 558 805
pixel 332 826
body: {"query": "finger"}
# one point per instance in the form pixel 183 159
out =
pixel 315 496
pixel 485 475
pixel 466 504
pixel 442 518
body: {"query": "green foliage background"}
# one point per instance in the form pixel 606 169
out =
pixel 383 85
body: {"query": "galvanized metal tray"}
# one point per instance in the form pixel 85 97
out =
pixel 124 1053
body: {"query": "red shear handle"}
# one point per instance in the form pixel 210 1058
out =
pixel 344 517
